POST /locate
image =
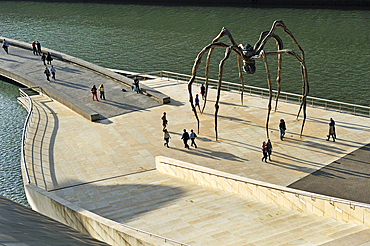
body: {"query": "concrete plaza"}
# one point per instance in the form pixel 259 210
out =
pixel 108 166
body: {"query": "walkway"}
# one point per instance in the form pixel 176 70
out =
pixel 108 166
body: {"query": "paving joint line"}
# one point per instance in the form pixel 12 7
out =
pixel 99 180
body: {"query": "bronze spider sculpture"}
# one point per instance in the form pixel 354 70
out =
pixel 249 54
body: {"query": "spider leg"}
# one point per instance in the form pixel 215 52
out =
pixel 194 72
pixel 223 32
pixel 207 72
pixel 279 43
pixel 304 79
pixel 241 79
pixel 221 66
pixel 263 55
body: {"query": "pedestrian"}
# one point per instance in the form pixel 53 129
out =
pixel 192 138
pixel 94 93
pixel 48 58
pixel 34 48
pixel 52 70
pixel 136 82
pixel 282 128
pixel 38 46
pixel 164 120
pixel 331 131
pixel 47 73
pixel 269 148
pixel 101 90
pixel 5 46
pixel 203 91
pixel 264 151
pixel 332 122
pixel 185 138
pixel 166 138
pixel 196 101
pixel 43 58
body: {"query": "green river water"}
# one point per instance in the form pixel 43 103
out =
pixel 142 38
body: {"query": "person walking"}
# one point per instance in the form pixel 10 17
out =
pixel 164 121
pixel 6 46
pixel 282 128
pixel 34 48
pixel 49 58
pixel 203 91
pixel 101 90
pixel 166 138
pixel 43 58
pixel 269 148
pixel 185 138
pixel 264 151
pixel 136 82
pixel 331 131
pixel 38 46
pixel 192 138
pixel 52 70
pixel 94 93
pixel 47 73
pixel 332 122
pixel 196 101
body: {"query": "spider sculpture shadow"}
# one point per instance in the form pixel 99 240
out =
pixel 249 54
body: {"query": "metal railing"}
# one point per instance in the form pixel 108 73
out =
pixel 263 92
pixel 26 102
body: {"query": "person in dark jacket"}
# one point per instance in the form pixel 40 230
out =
pixel 282 128
pixel 185 137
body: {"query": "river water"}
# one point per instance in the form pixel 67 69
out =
pixel 142 38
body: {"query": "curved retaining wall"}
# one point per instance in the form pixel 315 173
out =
pixel 330 207
pixel 87 222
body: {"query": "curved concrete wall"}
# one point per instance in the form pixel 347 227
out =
pixel 87 222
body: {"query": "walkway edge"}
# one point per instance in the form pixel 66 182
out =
pixel 87 222
pixel 303 201
pixel 158 96
pixel 65 100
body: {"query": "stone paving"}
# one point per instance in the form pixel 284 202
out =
pixel 108 166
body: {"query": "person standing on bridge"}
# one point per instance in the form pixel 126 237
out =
pixel 38 45
pixel 43 58
pixel 6 46
pixel 49 58
pixel 52 70
pixel 101 90
pixel 136 81
pixel 34 48
pixel 94 93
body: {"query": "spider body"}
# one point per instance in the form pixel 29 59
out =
pixel 248 55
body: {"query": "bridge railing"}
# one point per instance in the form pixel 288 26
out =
pixel 26 102
pixel 263 92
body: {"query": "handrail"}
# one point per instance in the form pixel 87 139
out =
pixel 155 235
pixel 27 103
pixel 288 97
